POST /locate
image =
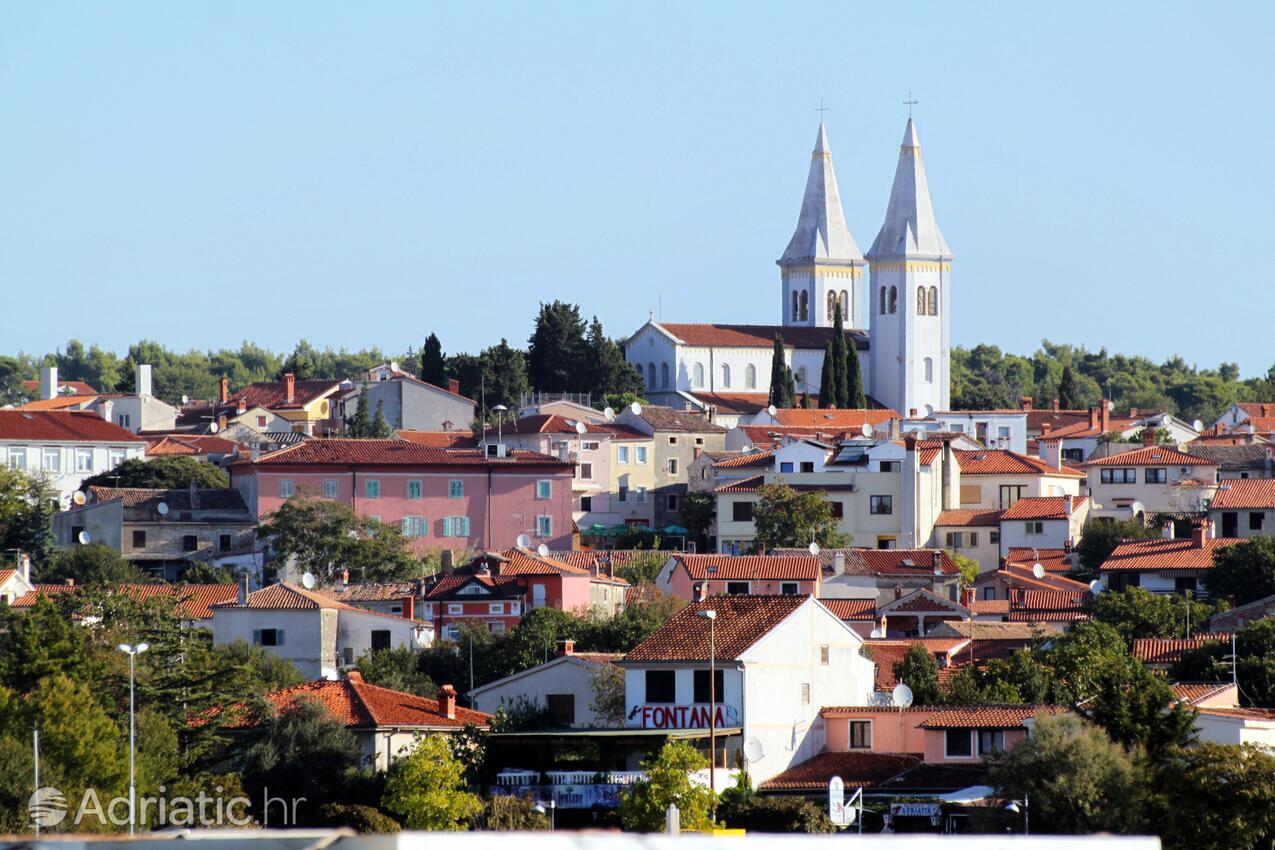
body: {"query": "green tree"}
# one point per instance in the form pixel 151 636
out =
pixel 1138 613
pixel 425 789
pixel 826 396
pixel 161 473
pixel 782 392
pixel 1254 663
pixel 607 684
pixel 919 671
pixel 40 643
pixel 398 669
pixel 668 782
pixel 1068 398
pixel 840 385
pixel 505 375
pixel 26 515
pixel 1101 538
pixel 1214 797
pixel 857 397
pixel 324 537
pixel 359 424
pixel 556 350
pixel 606 370
pixel 698 512
pixel 1078 780
pixel 784 517
pixel 95 563
pixel 204 572
pixel 1244 571
pixel 433 364
pixel 970 569
pixel 380 428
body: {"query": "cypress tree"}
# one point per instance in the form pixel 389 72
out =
pixel 840 394
pixel 790 388
pixel 380 427
pixel 360 424
pixel 778 379
pixel 433 366
pixel 856 398
pixel 1067 399
pixel 825 377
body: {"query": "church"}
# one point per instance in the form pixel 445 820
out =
pixel 897 319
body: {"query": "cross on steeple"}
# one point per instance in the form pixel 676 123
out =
pixel 909 103
pixel 821 109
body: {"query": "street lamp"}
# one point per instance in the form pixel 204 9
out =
pixel 499 410
pixel 711 615
pixel 1017 806
pixel 539 808
pixel 132 652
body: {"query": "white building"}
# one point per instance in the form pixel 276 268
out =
pixel 1150 480
pixel 563 685
pixel 778 661
pixel 64 447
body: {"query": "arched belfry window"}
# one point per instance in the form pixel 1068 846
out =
pixel 805 305
pixel 796 315
pixel 929 370
pixel 726 375
pixel 750 377
pixel 650 376
pixel 934 301
pixel 664 375
pixel 920 300
pixel 845 304
pixel 697 376
pixel 894 299
pixel 881 308
pixel 832 306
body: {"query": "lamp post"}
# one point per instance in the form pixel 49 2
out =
pixel 711 615
pixel 539 808
pixel 1015 806
pixel 132 652
pixel 499 410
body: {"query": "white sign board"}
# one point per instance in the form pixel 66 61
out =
pixel 837 811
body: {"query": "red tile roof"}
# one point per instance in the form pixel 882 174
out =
pixel 392 453
pixel 1160 554
pixel 65 426
pixel 273 395
pixel 1245 494
pixel 502 586
pixel 668 419
pixel 64 402
pixel 852 609
pixel 1005 462
pixel 751 567
pixel 172 444
pixel 856 769
pixel 360 705
pixel 979 517
pixel 1053 560
pixel 193 601
pixel 889 652
pixel 741 403
pixel 287 596
pixel 440 439
pixel 906 561
pixel 1267 714
pixel 79 387
pixel 988 716
pixel 756 336
pixel 770 436
pixel 989 606
pixel 1046 606
pixel 746 460
pixel 741 622
pixel 1152 456
pixel 921 601
pixel 834 419
pixel 1194 693
pixel 520 562
pixel 1044 507
pixel 1171 650
pixel 743 485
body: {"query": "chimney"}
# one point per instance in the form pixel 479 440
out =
pixel 566 647
pixel 106 409
pixel 898 591
pixel 1053 405
pixel 453 386
pixel 1025 402
pixel 936 557
pixel 222 422
pixel 1093 417
pixel 142 382
pixel 354 676
pixel 967 596
pixel 225 390
pixel 409 607
pixel 1148 435
pixel 345 577
pixel 70 582
pixel 254 452
pixel 1070 503
pixel 24 567
pixel 1106 416
pixel 700 591
pixel 243 590
pixel 447 702
pixel 1200 533
pixel 48 382
pixel 1133 413
pixel 446 562
pixel 838 563
pixel 1046 428
pixel 884 627
pixel 949 460
pixel 1166 530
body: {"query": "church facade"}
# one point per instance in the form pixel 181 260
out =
pixel 893 302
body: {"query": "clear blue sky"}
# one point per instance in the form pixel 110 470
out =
pixel 359 174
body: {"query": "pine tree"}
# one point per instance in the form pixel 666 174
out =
pixel 1067 394
pixel 856 398
pixel 825 377
pixel 840 395
pixel 504 371
pixel 557 350
pixel 380 428
pixel 607 370
pixel 433 366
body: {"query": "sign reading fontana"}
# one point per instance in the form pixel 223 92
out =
pixel 684 716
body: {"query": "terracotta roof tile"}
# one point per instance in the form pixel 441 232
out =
pixel 1044 507
pixel 989 606
pixel 1005 462
pixel 1152 456
pixel 741 622
pixel 361 705
pixel 63 402
pixel 346 451
pixel 369 592
pixel 77 387
pixel 1053 560
pixel 851 609
pixel 1160 554
pixel 746 460
pixel 1171 650
pixel 193 601
pixel 273 395
pixel 502 586
pixel 751 567
pixel 440 439
pixel 906 561
pixel 743 485
pixel 668 419
pixel 970 517
pixel 520 562
pixel 1245 494
pixel 1267 714
pixel 1194 693
pixel 740 403
pixel 756 336
pixel 856 769
pixel 988 716
pixel 833 419
pixel 64 426
pixel 194 444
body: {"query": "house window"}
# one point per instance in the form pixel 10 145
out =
pixel 123 420
pixel 286 489
pixel 455 608
pixel 1034 527
pixel 650 375
pixel 920 300
pixel 789 588
pixel 544 526
pixel 413 489
pixel 736 588
pixel 83 460
pixel 1156 475
pixel 670 502
pixel 664 375
pixel 860 737
pixel 563 706
pixel 807 466
pixel 267 637
pixel 1256 520
pixel 701 685
pixel 894 300
pixel 881 504
pixel 380 639
pixel 1002 432
pixel 672 441
pixel 934 301
pixel 223 542
pixel 805 693
pixel 329 488
pixel 1118 476
pixel 887 541
pixel 697 376
pixel 750 377
pixel 585 471
pixel 640 454
pixel 189 543
pixel 495 608
pixel 1074 455
pixel 1010 494
pixel 623 493
pixel 672 466
pixel 544 488
pixel 928 364
pixel 52 460
pixel 641 495
pixel 661 686
pixel 958 743
pixel 741 512
pixel 838 509
pixel 785 466
pixel 372 488
pixel 455 526
pixel 622 454
pixel 17 458
pixel 586 503
pixel 993 537
pixel 824 654
pixel 415 526
pixel 261 421
pixel 889 466
pixel 726 375
pixel 139 539
pixel 455 489
pixel 990 741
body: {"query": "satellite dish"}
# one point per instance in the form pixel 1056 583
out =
pixel 581 428
pixel 85 538
pixel 635 409
pixel 185 399
pixel 1038 570
pixel 771 410
pixel 1198 426
pixel 901 696
pixel 213 427
pixel 1095 587
pixel 523 541
pixel 307 581
pixel 753 750
pixel 162 509
pixel 1035 553
pixel 1137 508
pixel 865 430
pixel 542 550
pixel 609 413
pixel 78 497
pixel 877 634
pixel 813 548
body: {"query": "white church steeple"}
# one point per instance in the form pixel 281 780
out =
pixel 910 264
pixel 822 267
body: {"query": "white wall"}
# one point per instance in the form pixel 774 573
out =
pixel 902 340
pixel 66 480
pixel 304 643
pixel 354 633
pixel 565 675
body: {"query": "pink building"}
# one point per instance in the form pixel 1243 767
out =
pixel 441 498
pixel 937 734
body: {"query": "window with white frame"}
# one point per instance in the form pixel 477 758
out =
pixel 1035 527
pixel 544 526
pixel 1156 475
pixel 697 376
pixel 329 488
pixel 750 377
pixel 17 457
pixel 672 466
pixel 51 460
pixel 640 453
pixel 415 526
pixel 114 457
pixel 544 488
pixel 495 607
pixel 413 489
pixel 1118 476
pixel 83 460
pixel 455 608
pixel 123 420
pixel 286 488
pixel 622 455
pixel 990 741
pixel 372 489
pixel 641 495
